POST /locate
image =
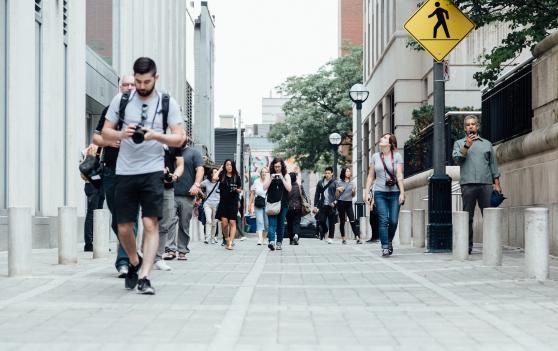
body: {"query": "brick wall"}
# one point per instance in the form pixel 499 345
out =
pixel 350 23
pixel 99 27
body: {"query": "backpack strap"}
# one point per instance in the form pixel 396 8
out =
pixel 165 103
pixel 124 100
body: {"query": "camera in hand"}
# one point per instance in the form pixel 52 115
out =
pixel 276 176
pixel 390 182
pixel 139 134
pixel 168 177
pixel 232 187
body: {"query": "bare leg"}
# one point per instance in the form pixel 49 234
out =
pixel 225 229
pixel 232 232
pixel 128 242
pixel 150 244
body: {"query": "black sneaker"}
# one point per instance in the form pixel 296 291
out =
pixel 132 276
pixel 144 287
pixel 385 253
pixel 224 242
pixel 271 246
pixel 390 249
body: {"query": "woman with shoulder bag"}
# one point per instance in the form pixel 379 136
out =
pixel 230 187
pixel 386 173
pixel 345 192
pixel 294 213
pixel 210 187
pixel 257 204
pixel 278 186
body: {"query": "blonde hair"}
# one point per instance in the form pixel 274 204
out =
pixel 264 168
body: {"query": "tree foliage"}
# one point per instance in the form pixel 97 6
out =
pixel 529 22
pixel 318 105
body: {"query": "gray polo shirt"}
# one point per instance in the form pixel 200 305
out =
pixel 148 156
pixel 479 166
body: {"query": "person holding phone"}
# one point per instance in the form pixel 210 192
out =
pixel 479 175
pixel 386 173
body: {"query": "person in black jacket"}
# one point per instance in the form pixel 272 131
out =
pixel 324 205
pixel 294 213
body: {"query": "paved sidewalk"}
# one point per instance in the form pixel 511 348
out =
pixel 309 297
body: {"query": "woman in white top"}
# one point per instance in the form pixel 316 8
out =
pixel 257 204
pixel 210 187
pixel 386 172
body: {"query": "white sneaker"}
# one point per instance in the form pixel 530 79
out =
pixel 259 241
pixel 242 238
pixel 162 266
pixel 329 241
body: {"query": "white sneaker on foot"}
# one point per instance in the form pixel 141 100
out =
pixel 329 241
pixel 242 238
pixel 162 266
pixel 259 241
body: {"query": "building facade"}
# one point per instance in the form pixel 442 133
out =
pixel 272 109
pixel 42 104
pixel 350 24
pixel 204 123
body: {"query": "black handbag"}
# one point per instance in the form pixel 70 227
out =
pixel 259 201
pixel 92 168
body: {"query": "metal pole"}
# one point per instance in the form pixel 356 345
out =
pixel 359 205
pixel 334 150
pixel 439 156
pixel 238 141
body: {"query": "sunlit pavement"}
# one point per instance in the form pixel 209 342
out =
pixel 309 297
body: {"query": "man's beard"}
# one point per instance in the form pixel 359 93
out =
pixel 144 93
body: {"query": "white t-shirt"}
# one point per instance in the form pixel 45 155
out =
pixel 258 188
pixel 148 156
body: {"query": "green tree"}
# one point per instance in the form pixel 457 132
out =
pixel 318 105
pixel 529 21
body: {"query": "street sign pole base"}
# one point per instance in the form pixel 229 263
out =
pixel 439 214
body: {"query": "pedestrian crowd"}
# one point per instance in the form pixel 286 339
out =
pixel 140 159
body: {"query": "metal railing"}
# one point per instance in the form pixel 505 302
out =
pixel 507 107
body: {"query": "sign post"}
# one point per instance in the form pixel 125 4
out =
pixel 439 26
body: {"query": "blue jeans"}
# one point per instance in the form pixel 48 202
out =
pixel 387 206
pixel 108 184
pixel 277 225
pixel 262 223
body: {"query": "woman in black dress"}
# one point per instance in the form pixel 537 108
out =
pixel 230 186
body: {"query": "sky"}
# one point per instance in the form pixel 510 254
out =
pixel 259 43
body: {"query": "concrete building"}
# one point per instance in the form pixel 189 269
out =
pixel 272 109
pixel 164 31
pixel 400 79
pixel 42 104
pixel 203 123
pixel 350 24
pixel 226 121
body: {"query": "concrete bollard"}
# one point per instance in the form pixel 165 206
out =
pixel 365 231
pixel 536 243
pixel 418 227
pixel 405 222
pixel 492 236
pixel 67 235
pixel 101 233
pixel 19 241
pixel 460 239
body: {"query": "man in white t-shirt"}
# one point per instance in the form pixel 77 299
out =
pixel 140 165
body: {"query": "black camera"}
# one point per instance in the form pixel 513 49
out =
pixel 168 177
pixel 233 187
pixel 391 182
pixel 139 134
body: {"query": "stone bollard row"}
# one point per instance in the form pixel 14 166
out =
pixel 460 232
pixel 20 250
pixel 404 226
pixel 67 235
pixel 101 233
pixel 536 243
pixel 492 228
pixel 418 228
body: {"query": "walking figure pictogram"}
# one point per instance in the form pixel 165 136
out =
pixel 442 14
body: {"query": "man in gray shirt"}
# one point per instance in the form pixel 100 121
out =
pixel 478 171
pixel 140 164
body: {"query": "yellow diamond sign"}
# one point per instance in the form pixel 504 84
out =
pixel 439 26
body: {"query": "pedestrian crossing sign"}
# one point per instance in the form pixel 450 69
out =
pixel 438 26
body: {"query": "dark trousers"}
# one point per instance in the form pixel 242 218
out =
pixel 345 209
pixel 471 195
pixel 327 217
pixel 374 223
pixel 95 199
pixel 293 223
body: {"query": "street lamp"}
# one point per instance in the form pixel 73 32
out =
pixel 358 95
pixel 335 140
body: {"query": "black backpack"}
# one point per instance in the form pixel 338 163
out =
pixel 125 99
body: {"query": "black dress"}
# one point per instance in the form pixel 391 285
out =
pixel 229 198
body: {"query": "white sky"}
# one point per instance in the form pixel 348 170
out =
pixel 259 43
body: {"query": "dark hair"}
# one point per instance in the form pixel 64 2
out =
pixel 283 166
pixel 328 168
pixel 145 65
pixel 344 173
pixel 293 177
pixel 392 141
pixel 224 170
